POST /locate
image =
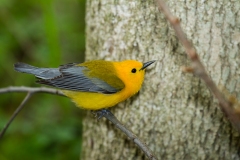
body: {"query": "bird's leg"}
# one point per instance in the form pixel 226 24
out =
pixel 101 113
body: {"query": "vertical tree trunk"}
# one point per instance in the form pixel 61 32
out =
pixel 174 113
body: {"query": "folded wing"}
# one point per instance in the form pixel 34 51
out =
pixel 70 77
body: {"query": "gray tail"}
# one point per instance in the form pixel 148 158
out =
pixel 25 68
pixel 43 73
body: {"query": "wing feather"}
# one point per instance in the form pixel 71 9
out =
pixel 74 78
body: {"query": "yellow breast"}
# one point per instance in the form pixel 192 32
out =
pixel 96 101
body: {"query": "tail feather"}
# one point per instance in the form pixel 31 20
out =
pixel 42 73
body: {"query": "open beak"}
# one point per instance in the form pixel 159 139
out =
pixel 146 64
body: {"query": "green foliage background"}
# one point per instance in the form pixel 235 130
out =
pixel 44 33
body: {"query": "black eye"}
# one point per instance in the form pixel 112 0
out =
pixel 134 70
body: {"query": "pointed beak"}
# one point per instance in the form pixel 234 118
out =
pixel 146 64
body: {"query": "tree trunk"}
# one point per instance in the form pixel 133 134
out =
pixel 174 112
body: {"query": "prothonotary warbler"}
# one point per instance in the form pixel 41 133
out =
pixel 92 85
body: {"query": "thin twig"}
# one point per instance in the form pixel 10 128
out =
pixel 108 115
pixel 31 89
pixel 197 67
pixel 19 108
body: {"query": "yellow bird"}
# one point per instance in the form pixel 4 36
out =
pixel 92 85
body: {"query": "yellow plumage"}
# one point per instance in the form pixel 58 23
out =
pixel 93 85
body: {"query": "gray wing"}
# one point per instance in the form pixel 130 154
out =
pixel 43 73
pixel 67 77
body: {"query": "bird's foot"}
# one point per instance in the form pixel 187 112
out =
pixel 101 113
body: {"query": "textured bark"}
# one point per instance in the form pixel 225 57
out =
pixel 174 113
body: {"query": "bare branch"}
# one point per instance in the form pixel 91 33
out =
pixel 198 68
pixel 108 115
pixel 19 108
pixel 31 89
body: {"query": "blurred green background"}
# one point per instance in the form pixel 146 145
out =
pixel 44 33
